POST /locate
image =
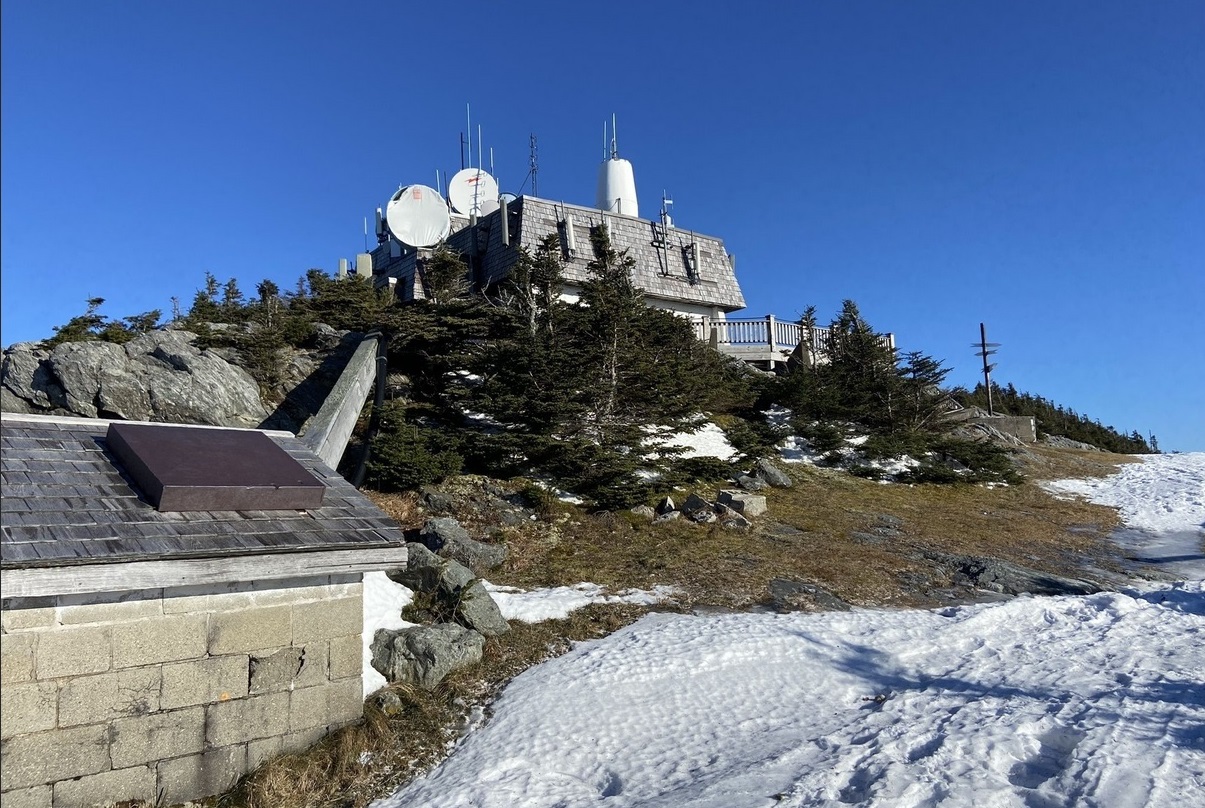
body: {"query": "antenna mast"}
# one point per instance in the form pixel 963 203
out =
pixel 535 164
pixel 985 350
pixel 468 121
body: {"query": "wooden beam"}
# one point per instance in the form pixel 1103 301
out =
pixel 136 575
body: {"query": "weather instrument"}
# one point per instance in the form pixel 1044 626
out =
pixel 986 349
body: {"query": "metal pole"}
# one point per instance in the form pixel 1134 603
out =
pixel 987 369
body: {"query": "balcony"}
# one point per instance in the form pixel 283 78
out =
pixel 764 341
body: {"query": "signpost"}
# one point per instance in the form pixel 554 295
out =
pixel 986 349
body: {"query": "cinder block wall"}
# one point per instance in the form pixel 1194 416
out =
pixel 171 694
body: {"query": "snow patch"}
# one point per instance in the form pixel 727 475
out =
pixel 383 604
pixel 556 603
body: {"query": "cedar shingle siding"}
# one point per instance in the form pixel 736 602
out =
pixel 661 258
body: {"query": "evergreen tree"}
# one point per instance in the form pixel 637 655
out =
pixel 81 328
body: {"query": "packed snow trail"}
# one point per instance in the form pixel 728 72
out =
pixel 1034 703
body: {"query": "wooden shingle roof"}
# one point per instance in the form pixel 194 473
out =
pixel 67 501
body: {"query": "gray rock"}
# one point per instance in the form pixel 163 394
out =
pixel 388 702
pixel 427 572
pixel 478 611
pixel 995 575
pixel 750 483
pixel 438 501
pixel 158 376
pixel 424 655
pixel 694 504
pixel 794 596
pixel 447 537
pixel 668 516
pixel 666 505
pixel 863 537
pixel 645 511
pixel 734 521
pixel 748 505
pixel 25 375
pixel 772 474
pixel 510 517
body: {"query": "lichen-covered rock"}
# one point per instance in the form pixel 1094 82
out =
pixel 424 655
pixel 478 611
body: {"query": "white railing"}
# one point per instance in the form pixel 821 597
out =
pixel 769 333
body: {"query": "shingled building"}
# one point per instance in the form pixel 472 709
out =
pixel 679 270
pixel 167 625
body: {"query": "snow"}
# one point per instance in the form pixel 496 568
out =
pixel 1162 503
pixel 707 441
pixel 383 604
pixel 553 604
pixel 1033 702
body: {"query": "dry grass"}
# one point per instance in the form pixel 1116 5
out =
pixel 810 534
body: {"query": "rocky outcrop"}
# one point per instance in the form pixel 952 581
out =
pixel 1060 442
pixel 801 596
pixel 994 575
pixel 158 376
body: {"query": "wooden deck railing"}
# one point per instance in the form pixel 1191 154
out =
pixel 766 338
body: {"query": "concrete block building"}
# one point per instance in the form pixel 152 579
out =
pixel 159 651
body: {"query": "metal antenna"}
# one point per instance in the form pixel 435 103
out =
pixel 614 138
pixel 479 146
pixel 365 234
pixel 535 165
pixel 468 119
pixel 986 349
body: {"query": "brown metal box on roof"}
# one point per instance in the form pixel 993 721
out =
pixel 198 469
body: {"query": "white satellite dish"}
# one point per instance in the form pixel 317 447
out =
pixel 473 192
pixel 418 216
pixel 507 197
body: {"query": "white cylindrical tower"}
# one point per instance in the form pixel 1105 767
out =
pixel 616 180
pixel 617 187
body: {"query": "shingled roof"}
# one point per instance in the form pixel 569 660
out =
pixel 68 502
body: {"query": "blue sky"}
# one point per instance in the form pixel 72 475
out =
pixel 1036 166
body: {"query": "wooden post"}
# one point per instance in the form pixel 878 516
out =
pixel 770 331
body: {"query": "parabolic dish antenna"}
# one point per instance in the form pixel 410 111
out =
pixel 418 216
pixel 473 192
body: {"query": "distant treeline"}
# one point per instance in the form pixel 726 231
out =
pixel 1055 419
